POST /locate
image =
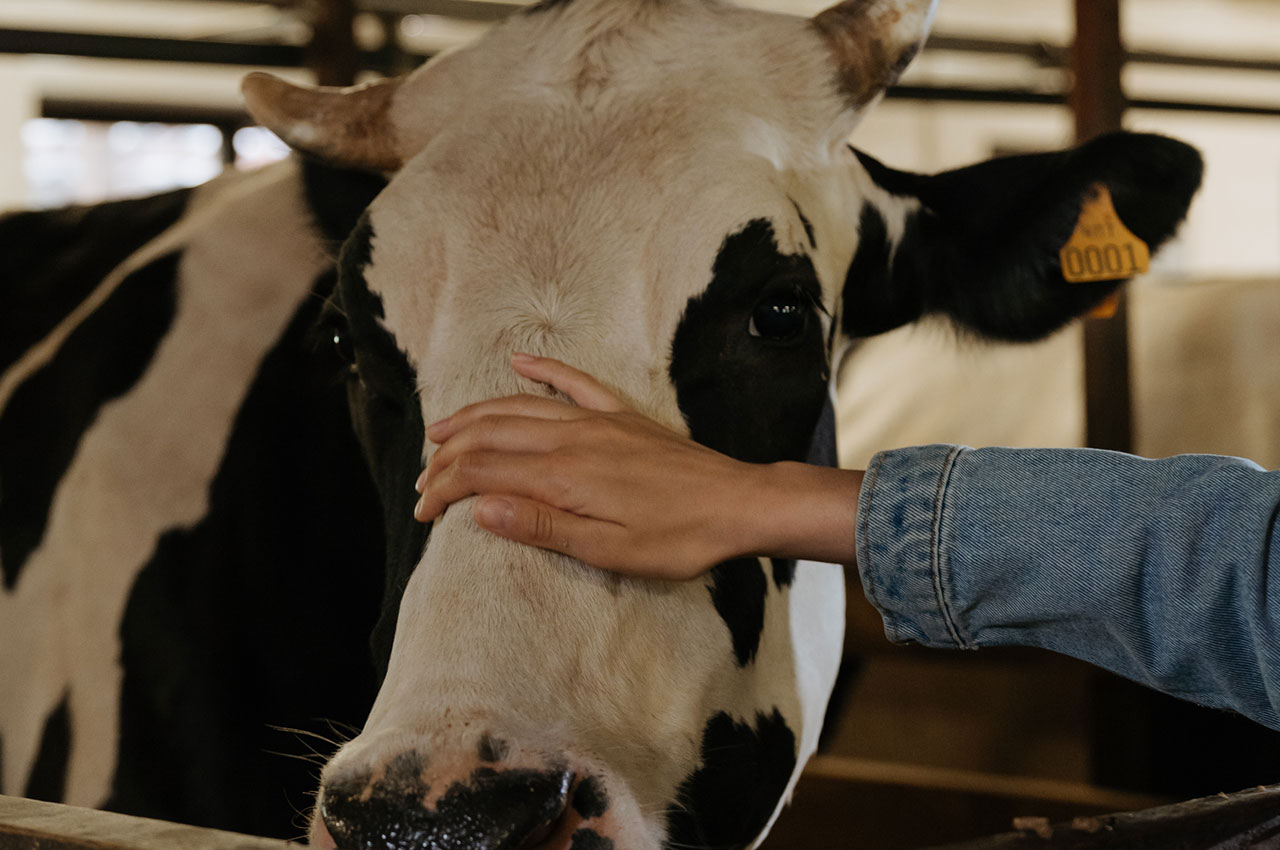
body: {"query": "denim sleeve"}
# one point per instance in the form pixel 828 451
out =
pixel 1159 570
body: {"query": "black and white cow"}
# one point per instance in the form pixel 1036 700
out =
pixel 195 547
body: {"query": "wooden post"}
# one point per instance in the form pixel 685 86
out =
pixel 332 54
pixel 1098 101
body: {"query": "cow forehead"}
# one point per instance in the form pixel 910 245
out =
pixel 668 62
pixel 584 227
pixel 592 267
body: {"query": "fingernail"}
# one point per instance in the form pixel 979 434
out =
pixel 435 429
pixel 497 514
pixel 521 357
pixel 418 508
pixel 421 482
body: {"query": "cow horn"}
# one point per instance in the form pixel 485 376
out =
pixel 874 41
pixel 345 127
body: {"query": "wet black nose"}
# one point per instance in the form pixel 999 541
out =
pixel 492 810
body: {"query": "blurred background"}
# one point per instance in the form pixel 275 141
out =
pixel 110 98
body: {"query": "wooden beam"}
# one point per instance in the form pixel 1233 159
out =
pixel 50 826
pixel 332 54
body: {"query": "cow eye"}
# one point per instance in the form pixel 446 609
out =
pixel 780 317
pixel 342 345
pixel 340 339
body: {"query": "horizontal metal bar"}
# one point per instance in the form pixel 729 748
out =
pixel 1060 56
pixel 955 94
pixel 83 109
pixel 98 45
pixel 157 49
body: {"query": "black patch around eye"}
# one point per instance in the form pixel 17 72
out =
pixel 388 423
pixel 728 800
pixel 383 367
pixel 757 403
pixel 340 338
pixel 780 317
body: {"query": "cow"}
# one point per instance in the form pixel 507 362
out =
pixel 212 423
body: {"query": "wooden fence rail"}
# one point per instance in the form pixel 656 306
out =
pixel 31 825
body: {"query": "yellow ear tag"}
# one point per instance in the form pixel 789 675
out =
pixel 1102 248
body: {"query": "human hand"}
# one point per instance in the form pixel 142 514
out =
pixel 606 485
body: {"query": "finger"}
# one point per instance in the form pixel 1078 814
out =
pixel 532 406
pixel 577 385
pixel 521 434
pixel 538 524
pixel 479 473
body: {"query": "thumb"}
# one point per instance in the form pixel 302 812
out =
pixel 534 523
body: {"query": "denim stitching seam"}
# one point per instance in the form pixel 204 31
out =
pixel 935 549
pixel 862 548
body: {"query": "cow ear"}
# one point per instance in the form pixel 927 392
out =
pixel 981 245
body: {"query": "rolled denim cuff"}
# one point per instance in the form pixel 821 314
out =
pixel 900 557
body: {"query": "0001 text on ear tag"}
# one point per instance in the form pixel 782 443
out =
pixel 1102 248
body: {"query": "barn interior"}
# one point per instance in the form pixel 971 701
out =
pixel 103 99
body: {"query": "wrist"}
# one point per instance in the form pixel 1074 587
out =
pixel 804 512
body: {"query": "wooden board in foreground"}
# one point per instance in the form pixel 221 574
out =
pixel 871 805
pixel 31 825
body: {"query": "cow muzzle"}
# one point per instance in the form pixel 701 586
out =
pixel 409 805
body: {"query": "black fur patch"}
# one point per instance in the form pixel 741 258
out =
pixel 590 799
pixel 499 810
pixel 784 571
pixel 747 397
pixel 728 800
pixel 44 421
pixel 404 774
pixel 984 249
pixel 808 226
pixel 589 839
pixel 545 6
pixel 48 779
pixel 259 615
pixel 388 423
pixel 337 198
pixel 880 304
pixel 738 590
pixel 51 260
pixel 491 749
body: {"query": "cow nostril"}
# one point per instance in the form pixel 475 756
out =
pixel 492 810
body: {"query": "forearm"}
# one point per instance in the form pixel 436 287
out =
pixel 1157 570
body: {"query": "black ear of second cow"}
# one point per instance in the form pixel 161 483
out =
pixel 984 247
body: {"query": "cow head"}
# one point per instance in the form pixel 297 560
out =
pixel 658 191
